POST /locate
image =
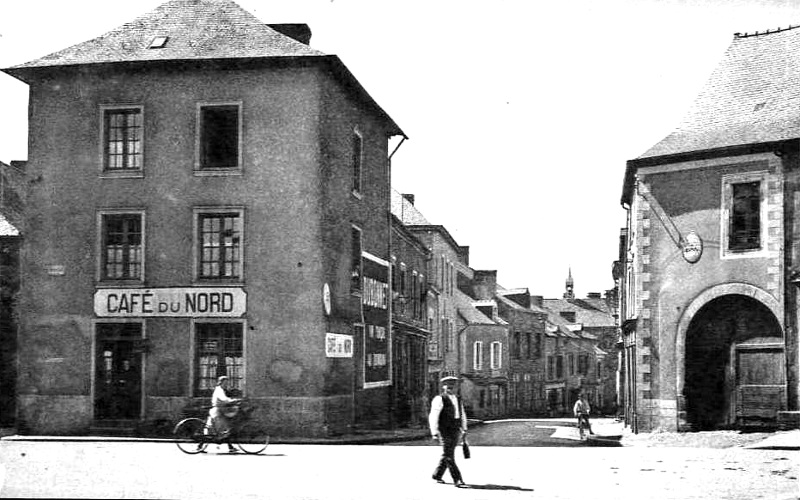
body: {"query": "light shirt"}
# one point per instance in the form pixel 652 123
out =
pixel 436 408
pixel 581 408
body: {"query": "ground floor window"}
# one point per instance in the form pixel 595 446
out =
pixel 219 351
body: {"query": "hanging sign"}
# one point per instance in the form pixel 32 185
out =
pixel 692 247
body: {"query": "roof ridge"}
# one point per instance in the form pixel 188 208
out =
pixel 762 33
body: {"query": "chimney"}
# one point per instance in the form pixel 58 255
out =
pixel 409 197
pixel 537 300
pixel 299 32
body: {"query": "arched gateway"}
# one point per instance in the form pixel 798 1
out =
pixel 731 369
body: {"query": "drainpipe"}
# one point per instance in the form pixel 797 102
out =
pixel 389 301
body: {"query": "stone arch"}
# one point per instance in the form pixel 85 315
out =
pixel 705 297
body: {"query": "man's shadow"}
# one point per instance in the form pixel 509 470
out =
pixel 495 487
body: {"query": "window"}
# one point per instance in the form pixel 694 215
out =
pixel 356 265
pixel 158 42
pixel 529 344
pixel 496 355
pixel 517 345
pixel 583 364
pixel 357 160
pixel 219 244
pixel 743 229
pixel 745 221
pixel 122 140
pixel 477 355
pixel 551 367
pixel 219 351
pixel 219 137
pixel 122 246
pixel 559 366
pixel 571 363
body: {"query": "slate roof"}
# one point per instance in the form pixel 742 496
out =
pixel 587 316
pixel 753 96
pixel 406 211
pixel 197 29
pixel 467 310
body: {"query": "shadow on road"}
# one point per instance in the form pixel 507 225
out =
pixel 496 487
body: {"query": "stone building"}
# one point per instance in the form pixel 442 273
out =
pixel 209 195
pixel 411 326
pixel 710 263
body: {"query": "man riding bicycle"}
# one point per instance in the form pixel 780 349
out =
pixel 581 411
pixel 222 409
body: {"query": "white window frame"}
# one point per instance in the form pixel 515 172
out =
pixel 99 274
pixel 193 349
pixel 128 172
pixel 197 212
pixel 728 181
pixel 496 351
pixel 477 355
pixel 199 169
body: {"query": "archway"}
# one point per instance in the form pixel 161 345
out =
pixel 732 344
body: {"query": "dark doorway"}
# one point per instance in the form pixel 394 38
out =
pixel 716 334
pixel 118 393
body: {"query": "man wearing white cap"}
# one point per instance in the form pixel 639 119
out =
pixel 448 421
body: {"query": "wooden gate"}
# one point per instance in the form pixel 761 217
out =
pixel 760 381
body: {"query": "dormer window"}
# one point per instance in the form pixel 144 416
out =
pixel 158 42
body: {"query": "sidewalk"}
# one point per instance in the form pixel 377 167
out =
pixel 604 428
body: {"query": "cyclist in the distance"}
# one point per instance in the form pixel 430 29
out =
pixel 581 411
pixel 221 409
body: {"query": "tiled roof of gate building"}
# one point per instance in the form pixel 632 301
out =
pixel 195 29
pixel 753 96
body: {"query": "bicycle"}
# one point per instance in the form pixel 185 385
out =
pixel 193 435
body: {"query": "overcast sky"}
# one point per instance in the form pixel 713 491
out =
pixel 521 114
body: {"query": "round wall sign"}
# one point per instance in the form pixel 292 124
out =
pixel 326 298
pixel 692 247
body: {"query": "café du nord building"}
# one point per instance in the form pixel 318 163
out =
pixel 200 207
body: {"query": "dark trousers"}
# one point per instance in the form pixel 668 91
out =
pixel 585 419
pixel 448 460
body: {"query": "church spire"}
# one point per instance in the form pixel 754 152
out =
pixel 569 294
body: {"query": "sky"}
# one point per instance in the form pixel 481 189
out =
pixel 520 114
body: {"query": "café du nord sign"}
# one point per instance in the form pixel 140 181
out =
pixel 170 302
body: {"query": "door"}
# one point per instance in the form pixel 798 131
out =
pixel 760 382
pixel 118 378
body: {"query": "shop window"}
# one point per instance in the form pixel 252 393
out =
pixel 122 246
pixel 219 351
pixel 219 244
pixel 219 137
pixel 122 139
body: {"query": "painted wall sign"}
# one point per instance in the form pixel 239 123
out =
pixel 170 302
pixel 692 247
pixel 338 345
pixel 375 309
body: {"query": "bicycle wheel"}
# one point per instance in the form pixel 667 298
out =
pixel 191 435
pixel 251 439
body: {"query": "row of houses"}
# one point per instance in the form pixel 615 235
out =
pixel 207 194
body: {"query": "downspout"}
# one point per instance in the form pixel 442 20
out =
pixel 389 298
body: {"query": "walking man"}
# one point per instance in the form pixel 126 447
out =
pixel 581 411
pixel 448 422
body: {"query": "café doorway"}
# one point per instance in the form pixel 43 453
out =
pixel 118 373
